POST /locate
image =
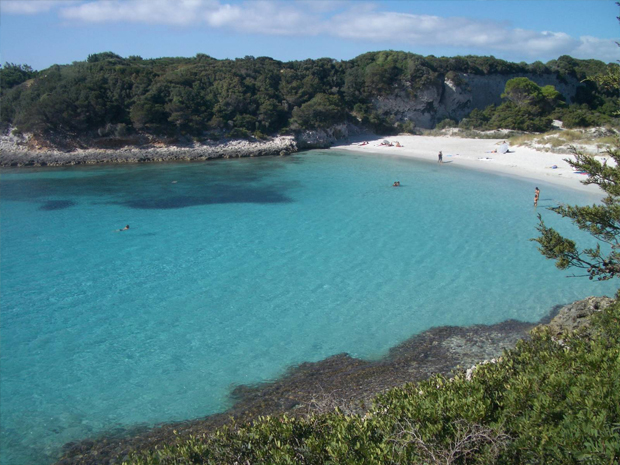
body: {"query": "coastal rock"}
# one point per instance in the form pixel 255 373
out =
pixel 325 138
pixel 577 315
pixel 456 96
pixel 25 150
pixel 340 381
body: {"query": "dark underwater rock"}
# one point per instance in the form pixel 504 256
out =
pixel 338 381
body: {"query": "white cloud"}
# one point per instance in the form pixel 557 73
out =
pixel 258 17
pixel 29 7
pixel 178 12
pixel 263 17
pixel 604 49
pixel 458 33
pixel 347 20
pixel 425 30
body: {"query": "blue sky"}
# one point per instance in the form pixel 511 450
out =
pixel 45 32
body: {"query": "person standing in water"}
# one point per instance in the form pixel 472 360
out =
pixel 440 157
pixel 536 195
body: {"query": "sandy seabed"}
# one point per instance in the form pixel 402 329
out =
pixel 479 154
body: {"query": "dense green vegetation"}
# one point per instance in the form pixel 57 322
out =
pixel 529 107
pixel 548 401
pixel 108 95
pixel 11 75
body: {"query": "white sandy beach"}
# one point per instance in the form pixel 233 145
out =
pixel 478 154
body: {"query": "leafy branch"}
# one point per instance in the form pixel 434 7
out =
pixel 601 221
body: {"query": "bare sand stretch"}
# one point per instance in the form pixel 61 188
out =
pixel 479 154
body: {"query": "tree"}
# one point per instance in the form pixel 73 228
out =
pixel 320 112
pixel 551 97
pixel 96 57
pixel 522 91
pixel 12 75
pixel 601 221
pixel 609 80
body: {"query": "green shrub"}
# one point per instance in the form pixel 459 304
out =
pixel 577 116
pixel 446 123
pixel 320 112
pixel 240 133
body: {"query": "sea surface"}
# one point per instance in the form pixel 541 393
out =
pixel 234 270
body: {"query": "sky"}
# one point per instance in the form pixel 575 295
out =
pixel 41 33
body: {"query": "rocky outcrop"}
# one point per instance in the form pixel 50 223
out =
pixel 342 381
pixel 421 108
pixel 339 381
pixel 577 315
pixel 20 151
pixel 455 97
pixel 324 138
pixel 27 150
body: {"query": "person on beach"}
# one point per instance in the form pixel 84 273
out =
pixel 440 157
pixel 396 184
pixel 125 228
pixel 536 195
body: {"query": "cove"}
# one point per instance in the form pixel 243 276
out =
pixel 233 271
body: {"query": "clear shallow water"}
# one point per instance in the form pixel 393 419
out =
pixel 239 270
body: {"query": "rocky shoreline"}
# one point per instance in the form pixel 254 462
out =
pixel 341 381
pixel 151 152
pixel 22 150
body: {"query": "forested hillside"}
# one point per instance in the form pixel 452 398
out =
pixel 111 96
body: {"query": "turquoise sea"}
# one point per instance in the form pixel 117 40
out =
pixel 234 270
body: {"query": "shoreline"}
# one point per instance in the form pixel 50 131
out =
pixel 339 381
pixel 318 387
pixel 16 157
pixel 476 154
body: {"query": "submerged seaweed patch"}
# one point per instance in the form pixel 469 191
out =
pixel 340 381
pixel 238 195
pixel 56 205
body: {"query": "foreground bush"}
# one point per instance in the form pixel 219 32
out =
pixel 548 401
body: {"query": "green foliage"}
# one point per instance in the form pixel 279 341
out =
pixel 608 80
pixel 446 123
pixel 508 115
pixel 546 401
pixel 601 221
pixel 12 75
pixel 521 91
pixel 320 112
pixel 205 97
pixel 478 119
pixel 95 57
pixel 578 116
pixel 532 108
